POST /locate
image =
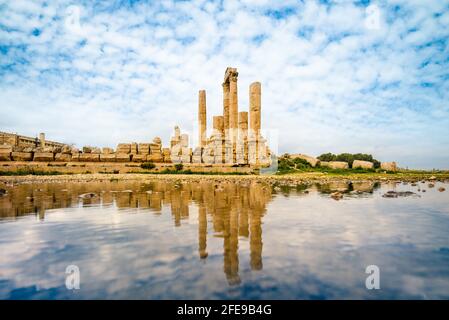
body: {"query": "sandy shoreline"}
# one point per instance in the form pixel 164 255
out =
pixel 272 179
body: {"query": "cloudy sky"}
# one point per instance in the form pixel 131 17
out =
pixel 337 76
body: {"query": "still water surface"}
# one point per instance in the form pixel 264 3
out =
pixel 208 240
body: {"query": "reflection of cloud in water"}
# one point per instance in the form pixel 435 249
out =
pixel 313 246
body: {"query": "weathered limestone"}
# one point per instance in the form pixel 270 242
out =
pixel 66 149
pixel 156 158
pixel 139 157
pixel 42 139
pixel 107 157
pixel 196 155
pixel 89 157
pixel 122 157
pixel 202 118
pixel 43 156
pixel 87 149
pixel 107 150
pixel 5 152
pixel 6 148
pixel 5 156
pixel 166 155
pixel 226 106
pixel 22 156
pixel 389 166
pixel 123 148
pixel 311 160
pixel 362 164
pixel 242 144
pixel 336 164
pixel 255 108
pixel 63 157
pixel 144 148
pixel 218 125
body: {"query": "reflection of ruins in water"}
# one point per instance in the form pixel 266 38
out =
pixel 234 210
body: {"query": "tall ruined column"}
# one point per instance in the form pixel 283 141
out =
pixel 254 108
pixel 218 125
pixel 202 118
pixel 226 106
pixel 218 139
pixel 233 112
pixel 242 153
pixel 42 139
pixel 254 119
pixel 233 102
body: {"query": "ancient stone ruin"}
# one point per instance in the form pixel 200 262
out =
pixel 235 139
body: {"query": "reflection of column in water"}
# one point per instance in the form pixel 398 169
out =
pixel 184 198
pixel 175 202
pixel 156 201
pixel 41 211
pixel 259 196
pixel 243 216
pixel 202 232
pixel 255 240
pixel 233 276
pixel 123 200
pixel 107 198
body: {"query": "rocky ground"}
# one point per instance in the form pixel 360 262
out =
pixel 286 179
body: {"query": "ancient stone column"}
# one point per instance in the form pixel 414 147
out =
pixel 42 139
pixel 233 103
pixel 254 108
pixel 233 113
pixel 243 137
pixel 226 105
pixel 202 118
pixel 254 119
pixel 219 125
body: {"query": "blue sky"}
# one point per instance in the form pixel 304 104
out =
pixel 337 76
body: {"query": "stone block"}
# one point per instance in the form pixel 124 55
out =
pixel 362 164
pixel 43 156
pixel 139 158
pixel 123 148
pixel 66 149
pixel 22 156
pixel 196 159
pixel 4 148
pixel 75 156
pixel 109 157
pixel 5 156
pixel 89 157
pixel 338 165
pixel 157 158
pixel 122 157
pixel 87 149
pixel 389 166
pixel 144 148
pixel 107 150
pixel 64 157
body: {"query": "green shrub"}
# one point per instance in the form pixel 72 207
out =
pixel 179 166
pixel 301 163
pixel 148 165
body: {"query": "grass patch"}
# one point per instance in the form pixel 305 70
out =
pixel 26 172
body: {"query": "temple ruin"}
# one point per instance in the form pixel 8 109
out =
pixel 235 139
